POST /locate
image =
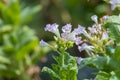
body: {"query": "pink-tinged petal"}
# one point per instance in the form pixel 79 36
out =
pixel 68 36
pixel 78 40
pixel 53 28
pixel 104 36
pixel 80 48
pixel 105 17
pixel 67 28
pixel 65 35
pixel 92 30
pixel 79 30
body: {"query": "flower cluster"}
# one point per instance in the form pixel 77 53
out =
pixel 98 35
pixel 67 33
pixel 85 40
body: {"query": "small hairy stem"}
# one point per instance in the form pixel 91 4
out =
pixel 62 58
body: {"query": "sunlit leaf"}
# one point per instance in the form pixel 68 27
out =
pixel 11 12
pixel 101 75
pixel 4 60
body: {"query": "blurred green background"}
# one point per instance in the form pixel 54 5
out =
pixel 22 25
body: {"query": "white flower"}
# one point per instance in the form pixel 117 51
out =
pixel 78 40
pixel 79 30
pixel 114 3
pixel 104 36
pixel 43 43
pixel 92 30
pixel 94 18
pixel 68 36
pixel 67 28
pixel 86 47
pixel 105 17
pixel 53 28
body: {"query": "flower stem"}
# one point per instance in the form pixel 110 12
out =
pixel 62 58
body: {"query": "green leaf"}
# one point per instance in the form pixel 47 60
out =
pixel 51 72
pixel 96 61
pixel 101 63
pixel 11 12
pixel 114 32
pixel 101 75
pixel 113 64
pixel 110 50
pixel 112 20
pixel 112 24
pixel 114 76
pixel 117 53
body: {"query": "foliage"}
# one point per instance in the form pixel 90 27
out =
pixel 103 49
pixel 64 72
pixel 108 65
pixel 66 66
pixel 103 56
pixel 113 27
pixel 19 45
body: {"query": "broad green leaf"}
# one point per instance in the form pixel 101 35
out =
pixel 101 75
pixel 110 50
pixel 112 20
pixel 114 32
pixel 102 63
pixel 96 61
pixel 113 64
pixel 117 53
pixel 112 24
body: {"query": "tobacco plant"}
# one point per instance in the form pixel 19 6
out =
pixel 101 42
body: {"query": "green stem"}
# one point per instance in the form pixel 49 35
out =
pixel 62 59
